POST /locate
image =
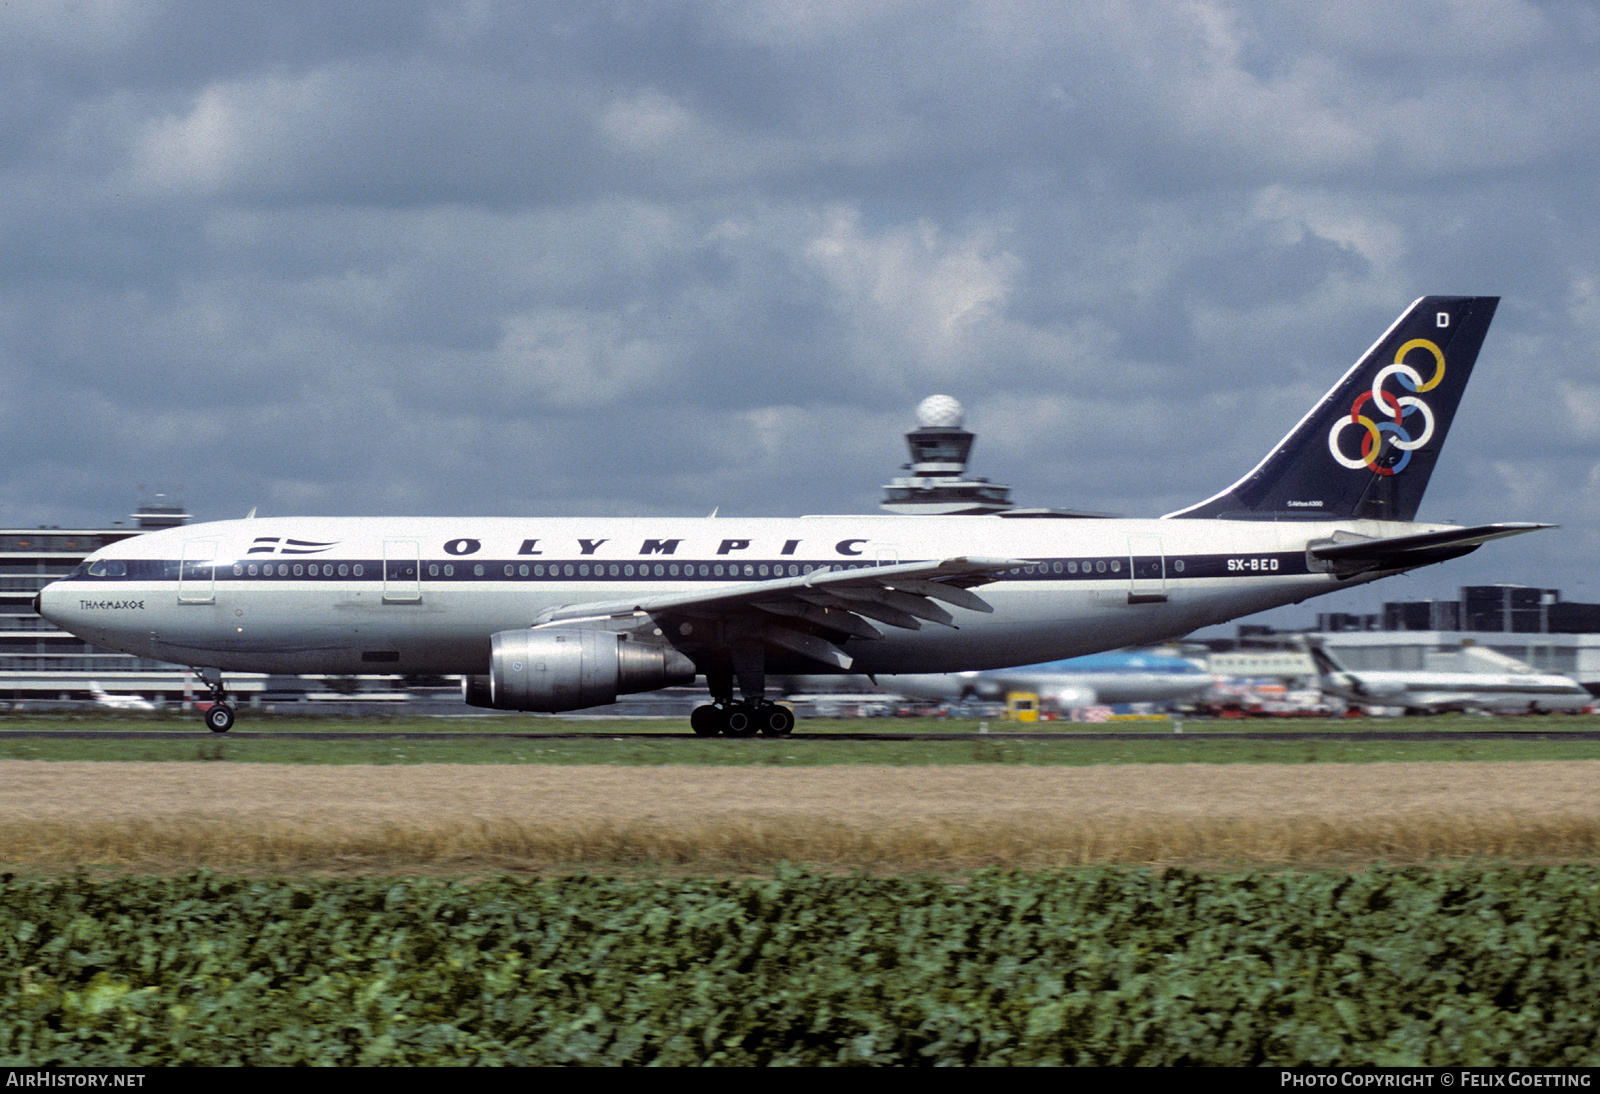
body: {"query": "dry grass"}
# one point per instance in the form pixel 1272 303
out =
pixel 167 815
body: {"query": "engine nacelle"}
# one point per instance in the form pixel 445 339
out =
pixel 555 669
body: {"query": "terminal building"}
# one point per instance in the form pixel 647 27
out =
pixel 40 662
pixel 1531 625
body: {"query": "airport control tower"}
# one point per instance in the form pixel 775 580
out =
pixel 938 485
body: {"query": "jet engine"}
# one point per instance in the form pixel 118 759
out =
pixel 569 669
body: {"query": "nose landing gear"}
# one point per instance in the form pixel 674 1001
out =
pixel 219 716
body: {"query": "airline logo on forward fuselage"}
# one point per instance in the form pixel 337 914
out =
pixel 1404 415
pixel 283 545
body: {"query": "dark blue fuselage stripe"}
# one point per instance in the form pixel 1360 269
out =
pixel 453 570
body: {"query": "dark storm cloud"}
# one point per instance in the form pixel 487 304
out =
pixel 613 258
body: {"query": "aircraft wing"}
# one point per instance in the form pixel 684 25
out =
pixel 810 614
pixel 1405 552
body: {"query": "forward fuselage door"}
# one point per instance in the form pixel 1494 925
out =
pixel 197 572
pixel 402 572
pixel 1147 570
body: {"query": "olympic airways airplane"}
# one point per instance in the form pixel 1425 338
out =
pixel 560 614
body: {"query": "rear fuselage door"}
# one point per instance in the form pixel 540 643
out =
pixel 1147 570
pixel 402 572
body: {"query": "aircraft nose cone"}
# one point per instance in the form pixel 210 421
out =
pixel 50 603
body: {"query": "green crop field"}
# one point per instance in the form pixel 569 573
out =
pixel 1413 967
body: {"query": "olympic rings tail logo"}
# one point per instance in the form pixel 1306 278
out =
pixel 1400 414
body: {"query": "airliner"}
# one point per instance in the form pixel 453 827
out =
pixel 557 614
pixel 1140 676
pixel 1433 692
pixel 118 702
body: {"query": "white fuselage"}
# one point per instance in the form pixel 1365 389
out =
pixel 424 595
pixel 122 702
pixel 1464 691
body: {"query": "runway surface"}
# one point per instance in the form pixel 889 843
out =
pixel 801 733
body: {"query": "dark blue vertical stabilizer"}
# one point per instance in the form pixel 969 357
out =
pixel 1368 448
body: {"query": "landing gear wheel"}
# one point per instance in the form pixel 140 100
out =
pixel 219 719
pixel 704 721
pixel 739 721
pixel 776 721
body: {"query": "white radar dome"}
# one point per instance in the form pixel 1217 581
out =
pixel 939 410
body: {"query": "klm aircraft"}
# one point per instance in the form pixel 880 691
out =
pixel 561 614
pixel 1137 676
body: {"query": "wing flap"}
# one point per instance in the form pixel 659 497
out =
pixel 909 603
pixel 831 618
pixel 808 645
pixel 837 598
pixel 939 590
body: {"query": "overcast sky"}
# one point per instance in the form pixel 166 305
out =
pixel 652 258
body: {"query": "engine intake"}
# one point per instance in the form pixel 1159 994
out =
pixel 553 670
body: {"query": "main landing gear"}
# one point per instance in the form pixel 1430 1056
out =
pixel 753 713
pixel 219 716
pixel 742 720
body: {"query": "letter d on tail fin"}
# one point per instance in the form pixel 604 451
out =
pixel 1367 449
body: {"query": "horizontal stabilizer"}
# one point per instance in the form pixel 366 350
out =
pixel 1406 552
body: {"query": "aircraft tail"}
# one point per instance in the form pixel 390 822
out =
pixel 1320 657
pixel 1368 448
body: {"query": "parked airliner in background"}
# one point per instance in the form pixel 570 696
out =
pixel 118 702
pixel 559 614
pixel 1143 676
pixel 1421 692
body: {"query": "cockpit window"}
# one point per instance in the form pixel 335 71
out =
pixel 108 567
